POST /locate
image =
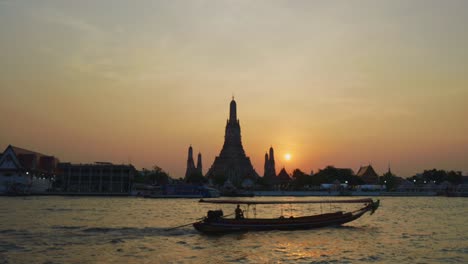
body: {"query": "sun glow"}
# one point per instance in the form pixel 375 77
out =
pixel 287 156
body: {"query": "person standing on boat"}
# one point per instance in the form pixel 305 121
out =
pixel 239 213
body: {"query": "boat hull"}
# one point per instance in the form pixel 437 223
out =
pixel 222 225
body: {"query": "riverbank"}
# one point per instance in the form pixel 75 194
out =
pixel 336 193
pixel 260 194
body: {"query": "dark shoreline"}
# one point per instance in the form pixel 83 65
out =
pixel 285 195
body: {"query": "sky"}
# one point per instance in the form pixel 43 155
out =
pixel 343 83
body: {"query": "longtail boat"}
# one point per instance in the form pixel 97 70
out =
pixel 216 223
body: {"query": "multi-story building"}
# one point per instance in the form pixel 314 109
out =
pixel 97 178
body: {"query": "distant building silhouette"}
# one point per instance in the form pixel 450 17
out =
pixel 25 171
pixel 270 170
pixel 191 169
pixel 232 163
pixel 199 164
pixel 283 177
pixel 190 164
pixel 368 174
pixel 99 177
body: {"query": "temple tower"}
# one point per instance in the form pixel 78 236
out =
pixel 233 111
pixel 232 163
pixel 272 162
pixel 190 163
pixel 270 169
pixel 266 167
pixel 199 164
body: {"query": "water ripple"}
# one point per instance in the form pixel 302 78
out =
pixel 102 230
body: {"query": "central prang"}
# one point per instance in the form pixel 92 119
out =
pixel 232 164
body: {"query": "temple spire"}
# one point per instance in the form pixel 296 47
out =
pixel 199 164
pixel 233 111
pixel 190 163
pixel 272 155
pixel 190 153
pixel 270 170
pixel 232 163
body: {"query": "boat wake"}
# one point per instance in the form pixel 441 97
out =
pixel 133 231
pixel 67 227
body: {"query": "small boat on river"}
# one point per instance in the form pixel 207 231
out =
pixel 216 223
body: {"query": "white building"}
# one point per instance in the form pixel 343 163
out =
pixel 24 171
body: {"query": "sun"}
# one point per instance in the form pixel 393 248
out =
pixel 287 156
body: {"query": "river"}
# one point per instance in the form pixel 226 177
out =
pixel 53 229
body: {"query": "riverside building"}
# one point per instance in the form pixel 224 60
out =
pixel 368 175
pixel 25 171
pixel 97 178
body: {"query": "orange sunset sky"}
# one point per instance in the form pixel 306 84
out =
pixel 343 83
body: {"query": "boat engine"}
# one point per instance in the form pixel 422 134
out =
pixel 214 214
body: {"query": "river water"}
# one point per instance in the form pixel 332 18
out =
pixel 133 230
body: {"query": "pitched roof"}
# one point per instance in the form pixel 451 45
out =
pixel 20 151
pixel 10 157
pixel 283 176
pixel 33 160
pixel 363 170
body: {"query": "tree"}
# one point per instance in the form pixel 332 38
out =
pixel 300 179
pixel 434 175
pixel 330 174
pixel 139 176
pixel 156 176
pixel 318 179
pixel 390 181
pixel 454 177
pixel 438 176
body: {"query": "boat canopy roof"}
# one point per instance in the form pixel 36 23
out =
pixel 217 201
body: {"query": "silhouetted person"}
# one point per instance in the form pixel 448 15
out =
pixel 239 213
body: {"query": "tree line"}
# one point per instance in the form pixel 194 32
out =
pixel 300 179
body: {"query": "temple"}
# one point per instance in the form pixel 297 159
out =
pixel 270 170
pixel 368 174
pixel 24 171
pixel 283 177
pixel 191 169
pixel 232 164
pixel 199 164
